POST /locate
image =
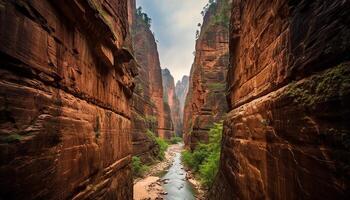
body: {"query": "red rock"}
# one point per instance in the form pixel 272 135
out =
pixel 150 112
pixel 181 90
pixel 205 102
pixel 172 100
pixel 66 84
pixel 143 117
pixel 286 135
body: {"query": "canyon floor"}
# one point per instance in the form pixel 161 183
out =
pixel 167 179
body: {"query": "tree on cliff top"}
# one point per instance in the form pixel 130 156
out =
pixel 143 16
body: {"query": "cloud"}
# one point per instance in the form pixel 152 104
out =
pixel 174 23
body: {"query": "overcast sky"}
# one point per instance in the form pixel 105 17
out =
pixel 174 23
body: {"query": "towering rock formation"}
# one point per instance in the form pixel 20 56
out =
pixel 144 112
pixel 181 90
pixel 287 135
pixel 205 102
pixel 148 101
pixel 172 100
pixel 66 84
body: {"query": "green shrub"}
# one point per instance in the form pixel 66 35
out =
pixel 163 146
pixel 216 86
pixel 204 160
pixel 151 118
pixel 138 167
pixel 175 140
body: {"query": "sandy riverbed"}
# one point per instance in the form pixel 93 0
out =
pixel 150 187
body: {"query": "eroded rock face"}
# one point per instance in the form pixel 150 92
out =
pixel 287 134
pixel 150 87
pixel 66 84
pixel 205 101
pixel 181 90
pixel 144 112
pixel 172 100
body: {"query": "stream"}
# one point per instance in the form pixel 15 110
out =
pixel 175 184
pixel 171 186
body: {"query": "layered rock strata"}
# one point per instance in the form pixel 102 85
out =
pixel 66 84
pixel 287 133
pixel 172 100
pixel 149 87
pixel 181 90
pixel 205 101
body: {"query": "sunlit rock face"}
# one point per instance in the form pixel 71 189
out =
pixel 171 99
pixel 287 133
pixel 66 84
pixel 149 87
pixel 205 101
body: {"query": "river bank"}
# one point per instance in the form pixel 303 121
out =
pixel 168 180
pixel 150 186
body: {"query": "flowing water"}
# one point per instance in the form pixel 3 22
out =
pixel 175 182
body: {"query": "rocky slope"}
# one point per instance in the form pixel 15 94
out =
pixel 205 101
pixel 287 133
pixel 172 100
pixel 181 90
pixel 148 100
pixel 66 84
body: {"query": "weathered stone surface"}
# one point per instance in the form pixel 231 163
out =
pixel 205 101
pixel 181 90
pixel 66 83
pixel 143 114
pixel 171 99
pixel 287 134
pixel 149 82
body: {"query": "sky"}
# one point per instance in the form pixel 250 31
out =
pixel 174 23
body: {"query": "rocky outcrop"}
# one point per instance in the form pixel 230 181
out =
pixel 66 84
pixel 205 101
pixel 150 87
pixel 181 90
pixel 287 133
pixel 171 99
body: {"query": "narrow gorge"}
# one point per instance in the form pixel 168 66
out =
pixel 102 99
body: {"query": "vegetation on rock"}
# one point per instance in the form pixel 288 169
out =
pixel 144 17
pixel 175 140
pixel 161 143
pixel 138 168
pixel 204 160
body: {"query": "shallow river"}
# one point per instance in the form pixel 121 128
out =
pixel 175 182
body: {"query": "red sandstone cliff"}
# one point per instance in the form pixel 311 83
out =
pixel 287 133
pixel 66 84
pixel 205 101
pixel 172 100
pixel 181 90
pixel 144 112
pixel 150 89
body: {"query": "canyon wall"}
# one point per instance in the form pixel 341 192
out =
pixel 181 90
pixel 144 112
pixel 205 101
pixel 172 100
pixel 149 87
pixel 66 84
pixel 287 133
